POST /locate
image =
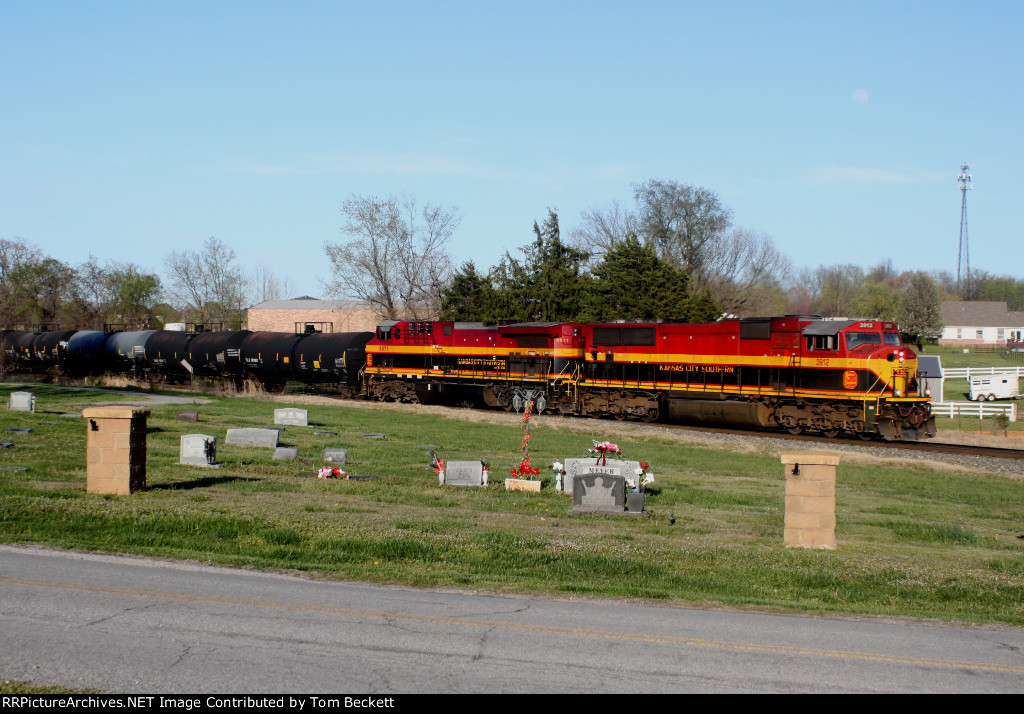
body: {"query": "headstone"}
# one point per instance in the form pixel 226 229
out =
pixel 599 493
pixel 285 453
pixel 635 503
pixel 198 450
pixel 614 467
pixel 6 444
pixel 336 456
pixel 464 473
pixel 188 416
pixel 326 433
pixel 252 437
pixel 19 430
pixel 373 436
pixel 22 402
pixel 291 416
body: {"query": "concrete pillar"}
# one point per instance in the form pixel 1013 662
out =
pixel 116 449
pixel 810 500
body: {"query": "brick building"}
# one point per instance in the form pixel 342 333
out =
pixel 324 315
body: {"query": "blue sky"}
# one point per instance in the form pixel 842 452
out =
pixel 130 129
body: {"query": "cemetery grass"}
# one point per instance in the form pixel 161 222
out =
pixel 912 540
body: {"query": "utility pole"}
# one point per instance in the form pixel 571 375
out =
pixel 963 277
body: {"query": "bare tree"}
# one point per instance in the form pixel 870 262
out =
pixel 600 230
pixel 396 259
pixel 207 283
pixel 742 268
pixel 264 285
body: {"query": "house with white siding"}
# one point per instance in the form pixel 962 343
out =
pixel 972 323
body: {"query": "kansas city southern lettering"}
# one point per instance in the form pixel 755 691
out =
pixel 470 362
pixel 703 368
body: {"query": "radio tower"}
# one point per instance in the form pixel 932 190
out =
pixel 963 260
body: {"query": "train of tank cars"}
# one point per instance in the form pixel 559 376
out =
pixel 795 372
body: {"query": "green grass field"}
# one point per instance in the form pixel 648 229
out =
pixel 912 540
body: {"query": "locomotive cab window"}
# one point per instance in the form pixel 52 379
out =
pixel 857 339
pixel 383 334
pixel 891 338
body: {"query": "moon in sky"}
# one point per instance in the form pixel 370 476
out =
pixel 860 96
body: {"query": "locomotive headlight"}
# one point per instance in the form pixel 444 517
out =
pixel 898 393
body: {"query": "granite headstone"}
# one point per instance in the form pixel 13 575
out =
pixel 598 493
pixel 336 456
pixel 253 437
pixel 464 473
pixel 22 402
pixel 614 467
pixel 291 416
pixel 198 450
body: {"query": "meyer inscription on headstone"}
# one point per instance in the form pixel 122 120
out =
pixel 614 467
pixel 198 450
pixel 598 493
pixel 22 402
pixel 252 437
pixel 464 473
pixel 291 416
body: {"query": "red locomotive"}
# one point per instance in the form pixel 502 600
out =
pixel 796 372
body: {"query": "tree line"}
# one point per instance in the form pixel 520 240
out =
pixel 206 286
pixel 673 254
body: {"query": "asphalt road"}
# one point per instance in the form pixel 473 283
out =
pixel 134 625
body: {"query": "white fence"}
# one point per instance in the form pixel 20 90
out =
pixel 979 410
pixel 968 372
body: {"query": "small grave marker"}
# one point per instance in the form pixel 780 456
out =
pixel 373 436
pixel 326 433
pixel 291 416
pixel 253 437
pixel 464 473
pixel 336 456
pixel 188 416
pixel 285 453
pixel 22 402
pixel 198 450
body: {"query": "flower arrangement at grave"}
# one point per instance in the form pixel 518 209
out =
pixel 644 476
pixel 557 472
pixel 332 472
pixel 602 449
pixel 524 470
pixel 438 465
pixel 485 470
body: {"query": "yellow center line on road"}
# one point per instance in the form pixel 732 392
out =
pixel 525 627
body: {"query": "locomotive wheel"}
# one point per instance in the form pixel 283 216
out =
pixel 831 433
pixel 865 436
pixel 619 416
pixel 795 430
